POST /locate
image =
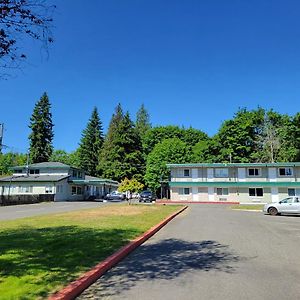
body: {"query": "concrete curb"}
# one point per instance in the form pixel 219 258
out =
pixel 78 286
pixel 195 202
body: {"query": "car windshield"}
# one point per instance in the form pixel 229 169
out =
pixel 146 193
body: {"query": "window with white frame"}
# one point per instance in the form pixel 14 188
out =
pixel 184 191
pixel 25 189
pixel 256 192
pixel 222 191
pixel 48 189
pixel 254 172
pixel 221 172
pixel 186 173
pixel 285 171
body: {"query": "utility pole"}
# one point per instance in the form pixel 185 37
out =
pixel 1 136
pixel 27 164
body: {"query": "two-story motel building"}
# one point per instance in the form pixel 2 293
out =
pixel 234 182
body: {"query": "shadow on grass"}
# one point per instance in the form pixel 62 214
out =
pixel 52 256
pixel 165 260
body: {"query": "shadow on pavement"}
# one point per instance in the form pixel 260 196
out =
pixel 165 260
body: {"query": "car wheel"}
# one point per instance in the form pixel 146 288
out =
pixel 272 211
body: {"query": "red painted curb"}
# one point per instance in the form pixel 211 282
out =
pixel 78 286
pixel 196 202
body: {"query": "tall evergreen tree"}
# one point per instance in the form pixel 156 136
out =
pixel 90 144
pixel 142 121
pixel 121 153
pixel 41 135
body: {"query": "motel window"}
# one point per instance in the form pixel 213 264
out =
pixel 222 191
pixel 254 172
pixel 73 190
pixel 37 171
pixel 48 189
pixel 291 192
pixel 256 192
pixel 184 191
pixel 186 172
pixel 25 189
pixel 221 172
pixel 76 190
pixel 285 171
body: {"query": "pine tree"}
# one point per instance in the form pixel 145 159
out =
pixel 41 135
pixel 121 155
pixel 90 144
pixel 142 121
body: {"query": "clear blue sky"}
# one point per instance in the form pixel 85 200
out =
pixel 190 62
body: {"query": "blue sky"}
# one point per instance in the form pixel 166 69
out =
pixel 192 63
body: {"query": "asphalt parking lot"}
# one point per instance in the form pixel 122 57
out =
pixel 211 252
pixel 29 210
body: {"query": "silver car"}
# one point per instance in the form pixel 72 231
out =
pixel 290 205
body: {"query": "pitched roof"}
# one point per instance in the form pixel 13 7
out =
pixel 92 179
pixel 34 178
pixel 48 164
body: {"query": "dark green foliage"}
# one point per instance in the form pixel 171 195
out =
pixel 91 144
pixel 142 124
pixel 201 152
pixel 41 135
pixel 157 134
pixel 121 155
pixel 11 159
pixel 71 159
pixel 236 139
pixel 168 151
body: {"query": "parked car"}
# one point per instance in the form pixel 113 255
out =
pixel 115 195
pixel 147 196
pixel 290 205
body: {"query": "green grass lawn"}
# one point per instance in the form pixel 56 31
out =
pixel 39 255
pixel 248 206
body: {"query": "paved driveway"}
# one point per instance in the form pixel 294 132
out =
pixel 211 252
pixel 29 210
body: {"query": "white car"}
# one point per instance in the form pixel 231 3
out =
pixel 290 205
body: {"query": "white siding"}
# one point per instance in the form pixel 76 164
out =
pixel 195 193
pixel 274 194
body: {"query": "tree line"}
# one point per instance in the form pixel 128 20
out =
pixel 136 153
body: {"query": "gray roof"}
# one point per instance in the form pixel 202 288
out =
pixel 92 179
pixel 48 164
pixel 34 178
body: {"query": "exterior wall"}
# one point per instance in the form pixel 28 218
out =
pixel 177 197
pixel 54 171
pixel 36 187
pixel 268 174
pixel 243 196
pixel 235 174
pixel 63 193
